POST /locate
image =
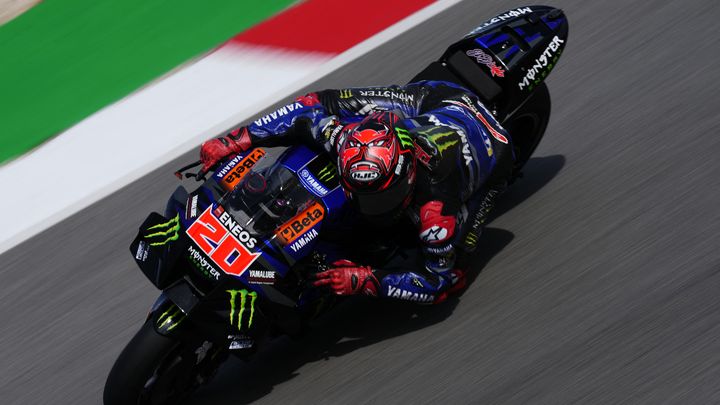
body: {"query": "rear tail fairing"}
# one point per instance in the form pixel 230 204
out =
pixel 504 59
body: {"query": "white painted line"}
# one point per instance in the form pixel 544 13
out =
pixel 124 141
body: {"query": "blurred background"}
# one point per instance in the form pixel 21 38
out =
pixel 597 280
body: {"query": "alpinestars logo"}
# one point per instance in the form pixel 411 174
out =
pixel 246 305
pixel 165 232
pixel 434 234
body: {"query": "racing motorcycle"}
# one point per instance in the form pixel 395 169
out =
pixel 234 256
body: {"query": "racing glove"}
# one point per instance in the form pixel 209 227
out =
pixel 348 278
pixel 214 150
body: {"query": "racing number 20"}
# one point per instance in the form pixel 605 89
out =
pixel 223 248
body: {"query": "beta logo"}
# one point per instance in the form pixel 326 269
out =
pixel 225 242
pixel 231 179
pixel 300 224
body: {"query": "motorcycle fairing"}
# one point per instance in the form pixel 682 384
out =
pixel 524 43
pixel 230 174
pixel 315 170
pixel 157 248
pixel 220 237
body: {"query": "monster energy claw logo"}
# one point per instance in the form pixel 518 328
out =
pixel 405 139
pixel 244 295
pixel 168 231
pixel 345 93
pixel 171 318
pixel 327 173
pixel 443 140
pixel 471 239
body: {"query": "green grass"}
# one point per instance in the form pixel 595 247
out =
pixel 65 59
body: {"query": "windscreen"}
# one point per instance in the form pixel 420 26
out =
pixel 266 199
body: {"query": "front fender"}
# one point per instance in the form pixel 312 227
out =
pixel 167 318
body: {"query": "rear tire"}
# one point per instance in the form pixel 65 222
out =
pixel 150 370
pixel 527 125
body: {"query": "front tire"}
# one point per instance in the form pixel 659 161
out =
pixel 152 369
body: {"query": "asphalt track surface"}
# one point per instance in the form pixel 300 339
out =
pixel 600 274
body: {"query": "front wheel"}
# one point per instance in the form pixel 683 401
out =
pixel 155 369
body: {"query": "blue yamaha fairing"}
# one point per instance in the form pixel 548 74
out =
pixel 247 228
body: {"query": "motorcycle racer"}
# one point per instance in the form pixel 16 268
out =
pixel 429 150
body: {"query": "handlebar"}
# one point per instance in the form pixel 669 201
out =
pixel 199 176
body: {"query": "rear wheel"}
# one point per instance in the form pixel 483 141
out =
pixel 527 126
pixel 155 369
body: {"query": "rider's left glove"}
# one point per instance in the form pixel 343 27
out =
pixel 348 278
pixel 214 150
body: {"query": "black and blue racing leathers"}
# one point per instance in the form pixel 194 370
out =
pixel 464 155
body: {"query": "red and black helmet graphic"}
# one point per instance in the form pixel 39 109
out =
pixel 376 165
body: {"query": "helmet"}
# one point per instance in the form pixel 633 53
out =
pixel 377 164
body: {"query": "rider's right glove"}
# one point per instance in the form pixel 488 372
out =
pixel 348 278
pixel 215 150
